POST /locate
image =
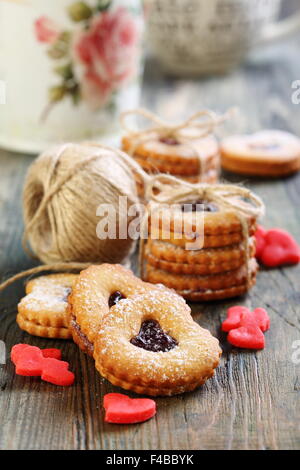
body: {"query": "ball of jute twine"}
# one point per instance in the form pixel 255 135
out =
pixel 62 190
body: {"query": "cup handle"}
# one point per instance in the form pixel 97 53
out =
pixel 280 29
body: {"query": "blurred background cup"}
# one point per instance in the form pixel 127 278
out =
pixel 68 68
pixel 198 37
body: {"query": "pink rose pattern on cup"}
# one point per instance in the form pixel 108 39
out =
pixel 94 61
pixel 107 52
pixel 46 30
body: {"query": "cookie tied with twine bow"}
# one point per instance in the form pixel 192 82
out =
pixel 187 150
pixel 226 222
pixel 199 125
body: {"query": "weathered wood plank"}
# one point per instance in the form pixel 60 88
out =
pixel 253 400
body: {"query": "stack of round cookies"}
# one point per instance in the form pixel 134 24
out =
pixel 192 161
pixel 213 257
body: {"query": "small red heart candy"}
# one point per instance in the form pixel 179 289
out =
pixel 249 337
pixel 56 372
pixel 17 351
pixel 279 249
pixel 29 362
pixel 234 315
pixel 52 353
pixel 121 409
pixel 260 237
pixel 240 316
pixel 258 317
pixel 261 318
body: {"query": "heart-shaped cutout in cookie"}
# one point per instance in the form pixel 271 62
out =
pixel 249 337
pixel 122 409
pixel 152 338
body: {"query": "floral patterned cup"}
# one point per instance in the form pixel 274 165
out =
pixel 68 69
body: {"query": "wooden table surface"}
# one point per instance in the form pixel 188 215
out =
pixel 253 400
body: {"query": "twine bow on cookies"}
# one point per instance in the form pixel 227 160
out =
pixel 199 125
pixel 166 189
pixel 173 191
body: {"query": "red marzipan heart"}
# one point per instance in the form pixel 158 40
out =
pixel 233 319
pixel 258 317
pixel 276 247
pixel 122 409
pixel 249 337
pixel 30 362
pixel 280 249
pixel 52 353
pixel 17 351
pixel 56 372
pixel 241 316
pixel 245 328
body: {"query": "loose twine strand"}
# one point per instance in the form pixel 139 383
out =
pixel 201 124
pixel 57 267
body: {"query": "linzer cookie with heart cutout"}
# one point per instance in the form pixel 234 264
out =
pixel 187 150
pixel 200 239
pixel 270 153
pixel 43 311
pixel 152 160
pixel 96 290
pixel 150 344
pixel 220 219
